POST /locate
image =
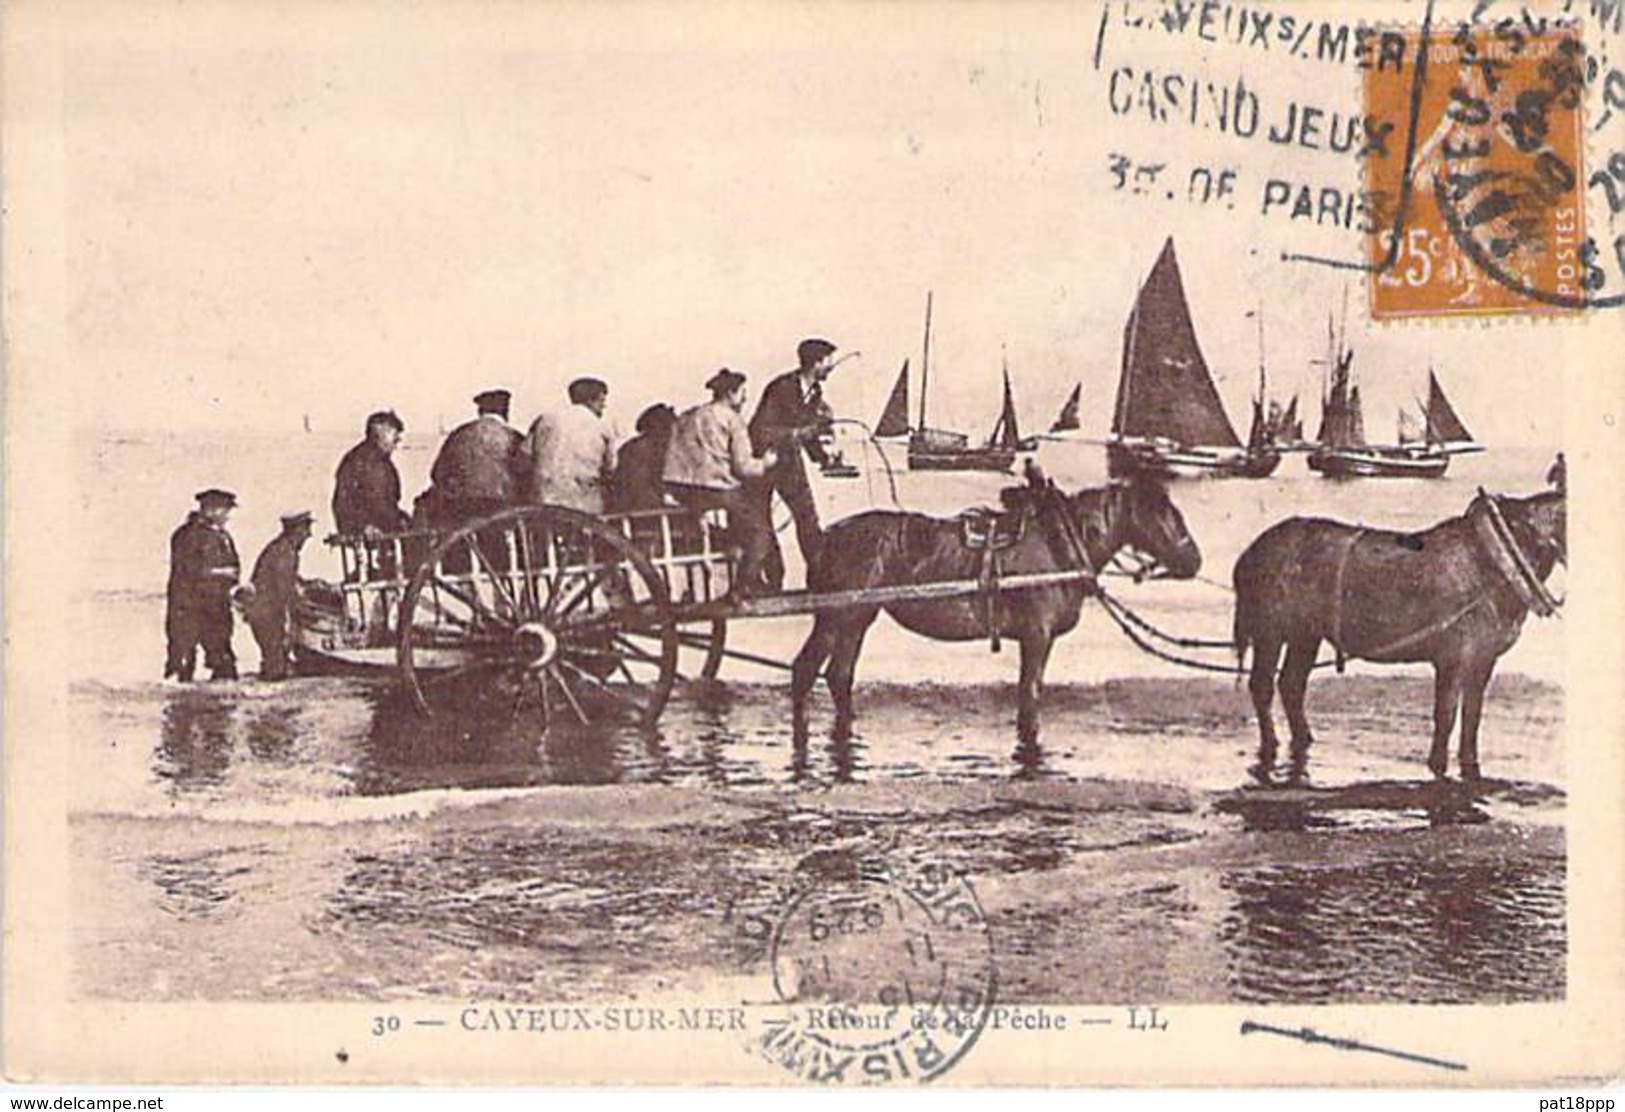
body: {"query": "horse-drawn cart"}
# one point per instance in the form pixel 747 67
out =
pixel 569 616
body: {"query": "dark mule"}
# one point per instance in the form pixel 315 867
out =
pixel 887 549
pixel 1454 596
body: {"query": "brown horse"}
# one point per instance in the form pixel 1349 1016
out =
pixel 1060 532
pixel 1455 596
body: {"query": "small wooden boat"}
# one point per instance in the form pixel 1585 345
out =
pixel 932 449
pixel 1169 419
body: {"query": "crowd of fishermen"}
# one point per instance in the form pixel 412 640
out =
pixel 707 457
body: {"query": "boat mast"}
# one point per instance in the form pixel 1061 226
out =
pixel 925 360
pixel 1125 383
pixel 1343 327
pixel 1261 381
pixel 1331 362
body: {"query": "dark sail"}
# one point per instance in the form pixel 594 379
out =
pixel 1005 433
pixel 1262 432
pixel 1291 424
pixel 1166 389
pixel 1354 433
pixel 1067 419
pixel 894 418
pixel 1444 427
pixel 1342 425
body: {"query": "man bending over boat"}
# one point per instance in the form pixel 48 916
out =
pixel 269 596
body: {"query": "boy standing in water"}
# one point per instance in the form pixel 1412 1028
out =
pixel 203 569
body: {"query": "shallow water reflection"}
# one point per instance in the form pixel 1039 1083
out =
pixel 315 738
pixel 1418 931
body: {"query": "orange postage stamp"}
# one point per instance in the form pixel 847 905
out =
pixel 1481 209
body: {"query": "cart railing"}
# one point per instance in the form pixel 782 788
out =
pixel 690 550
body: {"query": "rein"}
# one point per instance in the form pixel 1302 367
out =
pixel 1492 528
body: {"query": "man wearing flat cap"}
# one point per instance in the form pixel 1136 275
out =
pixel 367 487
pixel 709 461
pixel 203 569
pixel 474 473
pixel 789 418
pixel 269 597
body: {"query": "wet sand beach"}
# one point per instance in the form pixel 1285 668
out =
pixel 313 840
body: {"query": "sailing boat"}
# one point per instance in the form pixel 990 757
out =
pixel 1286 427
pixel 1067 419
pixel 932 449
pixel 1425 442
pixel 1445 431
pixel 1006 432
pixel 1169 419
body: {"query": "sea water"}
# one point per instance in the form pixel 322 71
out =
pixel 315 840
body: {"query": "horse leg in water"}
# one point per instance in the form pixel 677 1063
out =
pixel 1035 649
pixel 1300 661
pixel 849 627
pixel 808 663
pixel 1472 708
pixel 1446 694
pixel 1261 683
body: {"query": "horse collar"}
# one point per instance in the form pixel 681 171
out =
pixel 1507 555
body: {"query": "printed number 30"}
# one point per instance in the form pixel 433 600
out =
pixel 385 1024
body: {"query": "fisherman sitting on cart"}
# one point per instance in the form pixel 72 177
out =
pixel 707 463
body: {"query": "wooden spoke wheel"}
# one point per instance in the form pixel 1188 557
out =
pixel 541 612
pixel 705 646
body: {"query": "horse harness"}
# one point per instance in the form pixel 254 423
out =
pixel 990 532
pixel 1497 542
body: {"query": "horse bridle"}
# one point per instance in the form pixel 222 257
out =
pixel 1129 561
pixel 1145 565
pixel 1525 581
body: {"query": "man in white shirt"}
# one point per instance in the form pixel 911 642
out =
pixel 708 462
pixel 569 456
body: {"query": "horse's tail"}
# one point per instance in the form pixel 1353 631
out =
pixel 1241 629
pixel 1241 637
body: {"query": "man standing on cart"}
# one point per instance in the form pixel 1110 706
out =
pixel 789 418
pixel 708 463
pixel 203 569
pixel 367 487
pixel 367 493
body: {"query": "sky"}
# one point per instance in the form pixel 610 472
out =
pixel 302 209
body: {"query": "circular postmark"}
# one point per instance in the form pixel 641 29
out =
pixel 881 971
pixel 1511 190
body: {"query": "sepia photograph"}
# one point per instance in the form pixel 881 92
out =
pixel 814 545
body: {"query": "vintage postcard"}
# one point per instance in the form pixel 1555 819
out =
pixel 815 544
